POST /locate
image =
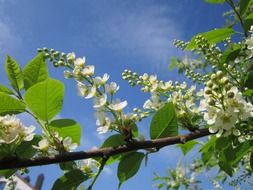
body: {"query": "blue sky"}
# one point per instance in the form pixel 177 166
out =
pixel 113 35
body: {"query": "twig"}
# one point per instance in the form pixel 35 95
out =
pixel 103 152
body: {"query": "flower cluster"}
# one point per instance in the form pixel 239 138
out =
pixel 224 106
pixel 249 44
pixel 12 131
pixel 183 98
pixel 109 112
pixel 55 144
pixel 89 165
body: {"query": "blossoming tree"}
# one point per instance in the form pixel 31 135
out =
pixel 218 104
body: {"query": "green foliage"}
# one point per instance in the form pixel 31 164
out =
pixel 212 36
pixel 188 146
pixel 244 4
pixel 14 74
pixel 70 180
pixel 248 21
pixel 10 105
pixel 231 53
pixel 215 1
pixel 67 128
pixel 164 122
pixel 35 71
pixel 129 166
pixel 45 99
pixel 5 90
pixel 26 150
pixel 113 141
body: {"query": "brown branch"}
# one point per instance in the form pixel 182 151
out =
pixel 103 152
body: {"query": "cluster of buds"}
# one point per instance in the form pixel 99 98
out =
pixel 55 144
pixel 109 112
pixel 180 44
pixel 183 98
pixel 224 106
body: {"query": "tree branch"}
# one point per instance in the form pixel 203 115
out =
pixel 102 153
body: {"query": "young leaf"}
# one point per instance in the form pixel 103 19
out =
pixel 10 105
pixel 35 71
pixel 129 166
pixel 14 74
pixel 248 22
pixel 244 4
pixel 188 146
pixel 215 1
pixel 230 54
pixel 26 150
pixel 213 36
pixel 5 90
pixel 164 122
pixel 45 98
pixel 67 128
pixel 113 141
pixel 70 180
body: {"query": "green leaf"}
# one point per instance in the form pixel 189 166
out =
pixel 215 1
pixel 5 90
pixel 35 71
pixel 113 141
pixel 231 54
pixel 173 63
pixel 248 22
pixel 26 150
pixel 213 36
pixel 70 180
pixel 10 105
pixel 14 74
pixel 129 166
pixel 251 160
pixel 45 98
pixel 7 173
pixel 244 4
pixel 248 80
pixel 164 122
pixel 67 128
pixel 188 146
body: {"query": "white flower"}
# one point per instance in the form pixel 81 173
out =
pixel 79 62
pixel 88 70
pixel 67 74
pixel 101 81
pixel 11 130
pixel 71 56
pixel 103 129
pixel 68 145
pixel 43 145
pixel 249 43
pixel 166 86
pixel 145 76
pixel 153 79
pixel 111 88
pixel 118 106
pixel 86 91
pixel 100 101
pixel 90 165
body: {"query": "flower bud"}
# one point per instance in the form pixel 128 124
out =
pixel 215 88
pixel 219 74
pixel 209 84
pixel 208 91
pixel 224 80
pixel 213 77
pixel 231 94
pixel 211 102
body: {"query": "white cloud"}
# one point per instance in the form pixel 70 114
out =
pixel 133 29
pixel 9 39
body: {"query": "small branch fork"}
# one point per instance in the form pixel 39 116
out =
pixel 103 152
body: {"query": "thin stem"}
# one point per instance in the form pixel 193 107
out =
pixel 98 173
pixel 231 3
